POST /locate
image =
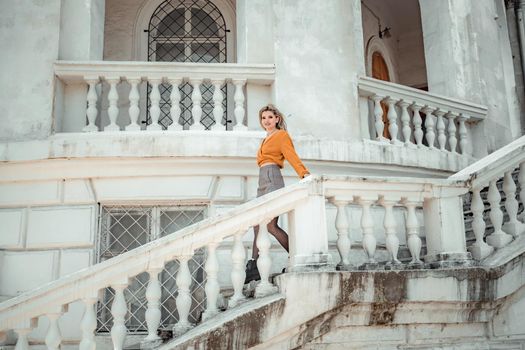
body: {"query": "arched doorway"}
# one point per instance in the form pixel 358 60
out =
pixel 188 31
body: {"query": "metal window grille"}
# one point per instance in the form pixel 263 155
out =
pixel 123 228
pixel 187 31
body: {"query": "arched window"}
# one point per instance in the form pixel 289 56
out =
pixel 187 31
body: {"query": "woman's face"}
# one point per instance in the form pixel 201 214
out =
pixel 269 121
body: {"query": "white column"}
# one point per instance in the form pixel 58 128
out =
pixel 88 324
pixel 154 108
pixel 392 119
pixel 343 240
pixel 53 336
pixel 412 226
pixel 392 241
pixel 21 342
pixel 521 180
pixel 238 274
pixel 92 111
pixel 367 227
pixel 183 301
pixel 452 139
pixel 429 125
pixel 498 238
pixel 239 111
pixel 479 249
pixel 440 126
pixel 405 120
pixel 175 109
pixel 118 311
pixel 416 119
pixel 264 262
pixel 513 226
pixel 113 105
pixel 134 109
pixel 212 287
pixel 378 115
pixel 462 134
pixel 153 313
pixel 218 98
pixel 196 109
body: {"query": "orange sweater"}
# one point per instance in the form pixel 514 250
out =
pixel 278 147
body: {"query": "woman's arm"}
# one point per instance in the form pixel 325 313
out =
pixel 291 156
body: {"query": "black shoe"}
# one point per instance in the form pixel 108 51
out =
pixel 252 273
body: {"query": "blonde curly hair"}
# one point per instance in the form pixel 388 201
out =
pixel 271 108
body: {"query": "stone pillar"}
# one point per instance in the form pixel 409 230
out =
pixel 463 62
pixel 317 49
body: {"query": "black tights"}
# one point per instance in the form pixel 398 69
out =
pixel 276 231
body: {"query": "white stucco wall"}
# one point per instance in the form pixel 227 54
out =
pixel 29 37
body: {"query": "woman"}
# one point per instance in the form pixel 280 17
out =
pixel 274 149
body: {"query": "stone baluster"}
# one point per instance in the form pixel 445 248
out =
pixel 212 287
pixel 343 240
pixel 451 128
pixel 264 262
pixel 237 274
pixel 91 111
pixel 513 226
pixel 392 119
pixel 392 242
pixel 417 121
pixel 218 98
pixel 462 134
pixel 498 238
pixel 196 109
pixel 88 324
pixel 378 115
pixel 153 313
pixel 175 109
pixel 412 226
pixel 53 335
pixel 134 109
pixel 113 105
pixel 183 301
pixel 405 121
pixel 479 249
pixel 22 343
pixel 521 180
pixel 118 311
pixel 239 111
pixel 440 127
pixel 429 125
pixel 154 108
pixel 367 227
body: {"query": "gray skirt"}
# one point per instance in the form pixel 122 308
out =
pixel 270 179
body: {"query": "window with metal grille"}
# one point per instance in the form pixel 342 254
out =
pixel 187 31
pixel 123 228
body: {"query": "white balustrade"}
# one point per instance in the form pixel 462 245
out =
pixel 239 104
pixel 183 300
pixel 134 110
pixel 175 109
pixel 521 180
pixel 212 287
pixel 343 240
pixel 479 249
pixel 22 343
pixel 367 227
pixel 498 238
pixel 412 227
pixel 53 336
pixel 118 311
pixel 264 262
pixel 218 98
pixel 238 273
pixel 442 113
pixel 88 324
pixel 392 242
pixel 513 226
pixel 237 77
pixel 153 313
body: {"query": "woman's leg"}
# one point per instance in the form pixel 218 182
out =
pixel 278 233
